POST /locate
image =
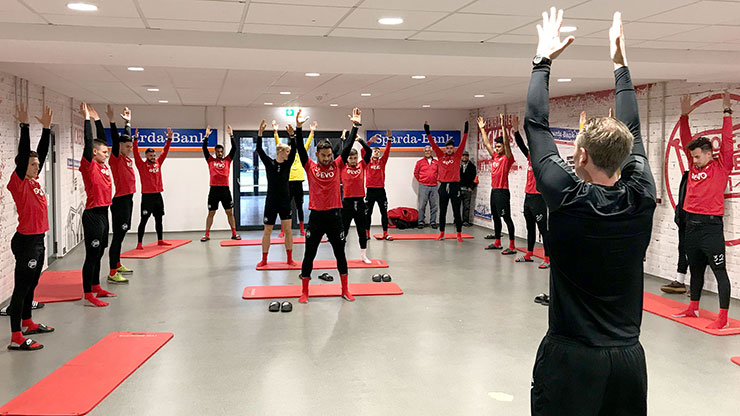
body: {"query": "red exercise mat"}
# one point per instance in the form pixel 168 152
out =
pixel 153 250
pixel 538 252
pixel 59 286
pixel 320 290
pixel 448 236
pixel 236 243
pixel 78 386
pixel 736 360
pixel 326 264
pixel 665 307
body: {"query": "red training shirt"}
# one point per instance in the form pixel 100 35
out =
pixel 376 168
pixel 122 168
pixel 531 186
pixel 150 174
pixel 30 202
pixel 500 168
pixel 449 165
pixel 219 170
pixel 323 184
pixel 353 180
pixel 427 171
pixel 98 183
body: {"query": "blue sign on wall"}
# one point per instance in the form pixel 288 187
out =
pixel 566 135
pixel 414 139
pixel 181 138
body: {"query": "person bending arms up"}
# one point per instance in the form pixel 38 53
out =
pixel 375 182
pixel 218 170
pixel 353 204
pixel 468 176
pixel 122 205
pixel 449 178
pixel 705 207
pixel 426 173
pixel 591 361
pixel 27 244
pixel 98 187
pixel 678 286
pixel 277 201
pixel 150 175
pixel 297 175
pixel 501 162
pixel 325 203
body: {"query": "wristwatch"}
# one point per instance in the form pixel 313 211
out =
pixel 541 60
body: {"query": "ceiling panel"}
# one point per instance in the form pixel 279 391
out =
pixel 214 11
pixel 631 9
pixel 285 30
pixel 150 76
pixel 649 31
pixel 523 39
pixel 294 15
pixel 451 36
pixel 198 96
pixel 585 27
pixel 703 12
pixel 92 73
pixel 371 34
pixel 416 5
pixel 300 80
pixel 412 20
pixel 660 44
pixel 532 8
pixel 94 21
pixel 197 78
pixel 111 8
pixel 716 34
pixel 333 3
pixel 194 25
pixel 480 23
pixel 14 12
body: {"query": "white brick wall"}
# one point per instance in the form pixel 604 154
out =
pixel 659 114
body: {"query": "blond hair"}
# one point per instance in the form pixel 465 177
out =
pixel 608 142
pixel 280 147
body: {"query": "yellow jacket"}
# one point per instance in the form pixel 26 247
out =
pixel 296 170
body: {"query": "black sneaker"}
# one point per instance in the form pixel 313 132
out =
pixel 434 225
pixel 420 226
pixel 542 299
pixel 674 288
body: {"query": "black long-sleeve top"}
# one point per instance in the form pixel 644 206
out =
pixel 598 234
pixel 278 173
pixel 24 150
pixel 467 175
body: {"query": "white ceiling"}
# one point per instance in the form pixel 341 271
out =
pixel 242 53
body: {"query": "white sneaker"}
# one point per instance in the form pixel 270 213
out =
pixel 365 259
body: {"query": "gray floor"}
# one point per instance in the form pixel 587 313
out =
pixel 461 340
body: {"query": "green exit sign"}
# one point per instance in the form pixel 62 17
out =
pixel 289 112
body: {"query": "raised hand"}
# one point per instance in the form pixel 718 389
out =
pixel 374 139
pixel 229 131
pixel 726 102
pixel 314 126
pixel 84 111
pixel 550 45
pixel 300 120
pixel 356 117
pixel 109 112
pixel 46 117
pixel 169 134
pixel 616 41
pixel 208 132
pixel 344 133
pixel 263 126
pixel 21 114
pixel 686 107
pixel 481 123
pixel 515 122
pixel 136 135
pixel 126 115
pixel 582 121
pixel 275 125
pixel 611 112
pixel 93 113
pixel 289 129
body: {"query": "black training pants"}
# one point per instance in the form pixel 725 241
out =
pixel 535 214
pixel 296 195
pixel 95 230
pixel 683 259
pixel 319 223
pixel 120 210
pixel 354 209
pixel 501 208
pixel 449 191
pixel 377 195
pixel 29 252
pixel 705 246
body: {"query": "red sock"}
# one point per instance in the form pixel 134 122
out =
pixel 282 233
pixel 367 233
pixel 547 259
pixel 345 288
pixel 690 312
pixel 721 320
pixel 497 242
pixel 304 290
pixel 29 324
pixel 529 255
pixel 441 236
pixel 511 245
pixel 17 338
pixel 95 301
pixel 264 260
pixel 102 293
pixel 385 234
pixel 289 253
pixel 208 234
pixel 118 264
pixel 303 230
pixel 163 243
pixel 233 232
pixel 459 237
pixel 113 271
pixel 139 246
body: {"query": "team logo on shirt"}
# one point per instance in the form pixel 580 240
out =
pixel 144 212
pixel 495 164
pixel 38 191
pixel 154 170
pixel 95 243
pixel 319 174
pixel 355 172
pixel 124 227
pixel 219 165
pixel 448 161
pixel 32 264
pixel 376 167
pixel 105 171
pixel 308 234
pixel 699 176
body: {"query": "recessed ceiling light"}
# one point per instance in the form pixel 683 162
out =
pixel 390 21
pixel 268 103
pixel 153 89
pixel 418 76
pixel 568 29
pixel 313 74
pixel 333 105
pixel 163 101
pixel 284 92
pixel 135 68
pixel 479 96
pixel 365 94
pixel 82 7
pixel 426 105
pixel 564 80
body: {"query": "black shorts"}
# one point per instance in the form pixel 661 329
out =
pixel 574 379
pixel 500 202
pixel 222 195
pixel 95 227
pixel 152 204
pixel 704 238
pixel 273 208
pixel 296 190
pixel 327 223
pixel 536 206
pixel 376 195
pixel 121 210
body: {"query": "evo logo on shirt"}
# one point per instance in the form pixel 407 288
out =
pixel 376 167
pixel 219 165
pixel 448 161
pixel 153 170
pixel 105 172
pixel 38 191
pixel 353 171
pixel 318 173
pixel 699 176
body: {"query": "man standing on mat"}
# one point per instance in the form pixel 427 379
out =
pixel 501 162
pixel 297 176
pixel 535 209
pixel 591 361
pixel 678 286
pixel 277 201
pixel 122 169
pixel 449 178
pixel 705 207
pixel 325 203
pixel 426 173
pixel 375 182
pixel 353 185
pixel 468 173
pixel 150 175
pixel 27 244
pixel 218 170
pixel 98 186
